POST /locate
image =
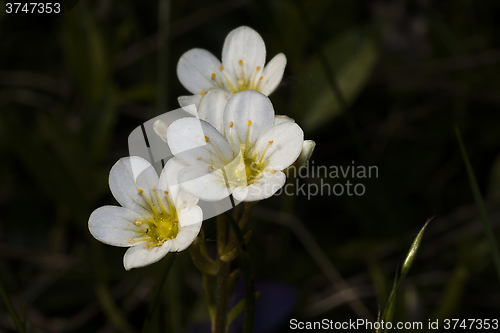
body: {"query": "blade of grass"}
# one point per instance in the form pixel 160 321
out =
pixel 248 274
pixel 476 193
pixel 10 308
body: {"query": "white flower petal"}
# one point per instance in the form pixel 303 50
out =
pixel 203 183
pixel 187 139
pixel 129 175
pixel 160 128
pixel 190 219
pixel 190 104
pixel 268 183
pixel 279 119
pixel 195 68
pixel 140 255
pixel 114 225
pixel 244 108
pixel 305 154
pixel 287 140
pixel 273 73
pixel 243 44
pixel 169 182
pixel 211 108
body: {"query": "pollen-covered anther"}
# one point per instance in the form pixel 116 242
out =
pixel 249 122
pixel 166 192
pixel 271 142
pixel 203 92
pixel 240 62
pixel 206 138
pixel 221 67
pixel 273 171
pixel 210 167
pixel 140 191
pixel 138 222
pixel 199 158
pixel 260 78
pixel 131 240
pixel 148 246
pixel 213 75
pixel 154 188
pixel 231 124
pixel 258 68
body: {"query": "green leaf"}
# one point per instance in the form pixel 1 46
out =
pixel 352 57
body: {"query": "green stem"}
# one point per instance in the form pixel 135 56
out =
pixel 248 274
pixel 221 299
pixel 12 311
pixel 480 204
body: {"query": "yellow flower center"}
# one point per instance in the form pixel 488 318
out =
pixel 163 226
pixel 244 80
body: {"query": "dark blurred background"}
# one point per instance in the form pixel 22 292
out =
pixel 408 72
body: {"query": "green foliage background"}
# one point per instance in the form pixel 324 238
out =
pixel 72 90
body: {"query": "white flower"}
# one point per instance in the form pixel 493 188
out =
pixel 242 67
pixel 241 150
pixel 157 216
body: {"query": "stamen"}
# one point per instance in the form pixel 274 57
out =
pixel 149 201
pixel 264 153
pixel 159 201
pixel 169 203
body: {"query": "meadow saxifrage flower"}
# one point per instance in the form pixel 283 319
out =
pixel 156 216
pixel 243 67
pixel 241 151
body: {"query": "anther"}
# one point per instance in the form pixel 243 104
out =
pixel 271 142
pixel 203 92
pixel 210 167
pixel 160 243
pixel 213 75
pixel 230 124
pixel 240 62
pixel 140 191
pixel 206 138
pixel 249 122
pixel 199 158
pixel 261 78
pixel 138 222
pixel 131 240
pixel 258 68
pixel 221 67
pixel 148 246
pixel 154 188
pixel 273 171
